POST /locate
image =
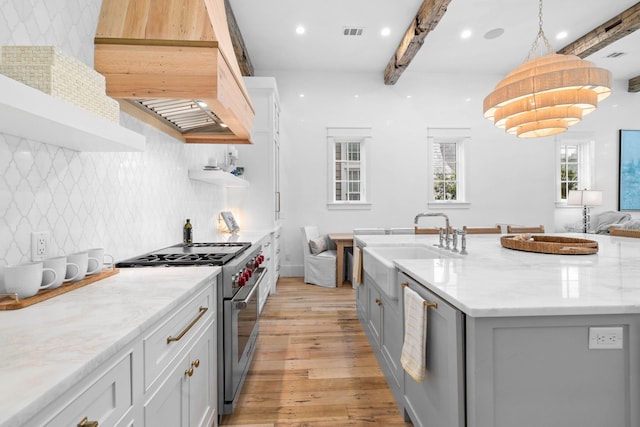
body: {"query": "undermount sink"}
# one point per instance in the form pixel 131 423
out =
pixel 378 262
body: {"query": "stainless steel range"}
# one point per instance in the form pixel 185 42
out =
pixel 237 305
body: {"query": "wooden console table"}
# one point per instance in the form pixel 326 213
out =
pixel 342 241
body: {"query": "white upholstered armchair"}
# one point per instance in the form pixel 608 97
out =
pixel 319 261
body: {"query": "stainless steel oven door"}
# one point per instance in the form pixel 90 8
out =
pixel 241 333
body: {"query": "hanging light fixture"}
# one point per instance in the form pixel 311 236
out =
pixel 546 94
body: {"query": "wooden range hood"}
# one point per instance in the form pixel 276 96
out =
pixel 174 61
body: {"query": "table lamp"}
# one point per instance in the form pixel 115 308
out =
pixel 586 199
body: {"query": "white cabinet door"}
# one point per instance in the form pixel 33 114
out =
pixel 187 398
pixel 202 384
pixel 168 406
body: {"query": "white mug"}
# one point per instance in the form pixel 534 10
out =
pixel 26 279
pixel 81 262
pixel 61 266
pixel 96 260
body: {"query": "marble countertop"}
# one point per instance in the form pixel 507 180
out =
pixel 48 347
pixel 493 281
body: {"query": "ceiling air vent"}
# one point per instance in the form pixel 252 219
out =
pixel 352 31
pixel 615 54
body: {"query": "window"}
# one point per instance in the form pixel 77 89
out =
pixel 574 160
pixel 347 174
pixel 446 158
pixel 347 177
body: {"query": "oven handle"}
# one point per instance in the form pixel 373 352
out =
pixel 240 305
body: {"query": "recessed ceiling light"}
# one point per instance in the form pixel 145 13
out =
pixel 409 96
pixel 385 31
pixel 300 29
pixel 561 35
pixel 302 95
pixel 356 96
pixel 493 34
pixel 465 34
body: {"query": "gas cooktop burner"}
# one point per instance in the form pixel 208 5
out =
pixel 215 253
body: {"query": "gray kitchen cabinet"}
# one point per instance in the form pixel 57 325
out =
pixel 540 371
pixel 375 309
pixel 381 319
pixel 362 298
pixel 439 400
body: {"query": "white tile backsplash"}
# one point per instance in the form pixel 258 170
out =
pixel 128 203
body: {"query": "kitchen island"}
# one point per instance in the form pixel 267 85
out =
pixel 49 349
pixel 514 340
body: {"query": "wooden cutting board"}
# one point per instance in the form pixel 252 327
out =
pixel 12 302
pixel 551 245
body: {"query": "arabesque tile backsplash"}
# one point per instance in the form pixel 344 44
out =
pixel 128 203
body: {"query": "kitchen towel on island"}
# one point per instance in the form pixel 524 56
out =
pixel 415 336
pixel 357 266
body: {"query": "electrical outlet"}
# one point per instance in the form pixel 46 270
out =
pixel 39 245
pixel 605 337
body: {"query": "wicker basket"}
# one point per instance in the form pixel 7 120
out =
pixel 551 245
pixel 51 71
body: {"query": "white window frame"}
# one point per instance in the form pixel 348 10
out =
pixel 459 136
pixel 341 135
pixel 586 161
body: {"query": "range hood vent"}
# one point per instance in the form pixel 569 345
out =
pixel 174 61
pixel 185 116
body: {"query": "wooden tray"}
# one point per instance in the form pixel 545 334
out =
pixel 12 302
pixel 551 245
pixel 624 232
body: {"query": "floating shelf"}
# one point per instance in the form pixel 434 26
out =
pixel 218 178
pixel 29 113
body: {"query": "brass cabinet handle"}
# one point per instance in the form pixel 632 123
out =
pixel 196 363
pixel 86 423
pixel 378 301
pixel 188 372
pixel 202 310
pixel 426 303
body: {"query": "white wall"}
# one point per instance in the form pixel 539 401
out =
pixel 509 180
pixel 128 203
pixel 136 202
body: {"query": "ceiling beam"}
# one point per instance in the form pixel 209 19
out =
pixel 428 16
pixel 242 55
pixel 634 84
pixel 602 36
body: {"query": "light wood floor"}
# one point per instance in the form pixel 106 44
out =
pixel 313 365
